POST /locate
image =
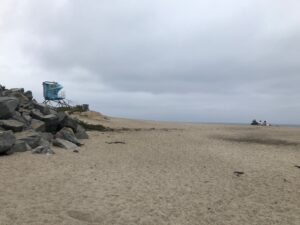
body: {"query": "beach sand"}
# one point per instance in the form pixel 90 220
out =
pixel 158 173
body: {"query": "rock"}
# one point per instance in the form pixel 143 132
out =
pixel 18 116
pixel 23 110
pixel 51 120
pixel 21 146
pixel 13 125
pixel 68 134
pixel 81 133
pixel 8 106
pixel 36 114
pixel 52 111
pixel 42 107
pixel 16 90
pixel 22 98
pixel 28 106
pixel 69 122
pixel 47 136
pixel 44 142
pixel 61 116
pixel 32 138
pixel 7 140
pixel 35 124
pixel 64 144
pixel 27 117
pixel 2 88
pixel 38 125
pixel 28 94
pixel 43 150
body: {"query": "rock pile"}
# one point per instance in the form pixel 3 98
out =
pixel 26 125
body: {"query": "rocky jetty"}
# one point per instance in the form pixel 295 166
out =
pixel 26 125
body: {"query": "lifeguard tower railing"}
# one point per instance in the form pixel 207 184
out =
pixel 53 95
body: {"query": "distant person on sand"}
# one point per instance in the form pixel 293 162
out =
pixel 264 123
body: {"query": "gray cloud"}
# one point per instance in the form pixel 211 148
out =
pixel 173 60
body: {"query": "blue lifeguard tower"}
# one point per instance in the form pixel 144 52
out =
pixel 53 95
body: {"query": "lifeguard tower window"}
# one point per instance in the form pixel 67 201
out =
pixel 53 95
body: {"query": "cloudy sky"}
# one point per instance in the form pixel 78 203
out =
pixel 183 60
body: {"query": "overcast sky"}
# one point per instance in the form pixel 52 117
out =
pixel 183 60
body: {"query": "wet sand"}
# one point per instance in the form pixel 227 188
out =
pixel 158 173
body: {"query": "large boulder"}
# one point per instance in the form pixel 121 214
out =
pixel 51 120
pixel 7 140
pixel 68 121
pixel 47 136
pixel 43 108
pixel 64 144
pixel 20 146
pixel 28 105
pixel 44 142
pixel 68 134
pixel 28 94
pixel 18 116
pixel 43 148
pixel 37 114
pixel 61 116
pixel 81 133
pixel 26 116
pixel 20 96
pixel 38 125
pixel 13 125
pixel 8 106
pixel 31 137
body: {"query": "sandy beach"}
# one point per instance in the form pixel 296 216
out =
pixel 156 173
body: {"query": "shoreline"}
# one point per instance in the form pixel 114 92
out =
pixel 200 122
